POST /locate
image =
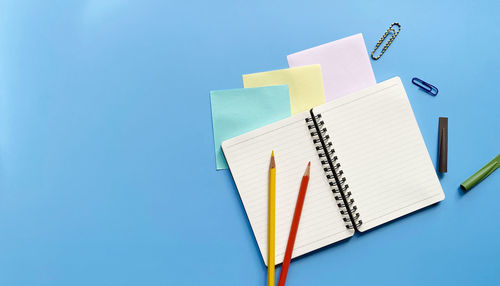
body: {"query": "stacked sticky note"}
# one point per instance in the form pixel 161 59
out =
pixel 316 75
pixel 305 83
pixel 237 111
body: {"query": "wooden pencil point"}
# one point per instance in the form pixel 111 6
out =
pixel 306 173
pixel 272 165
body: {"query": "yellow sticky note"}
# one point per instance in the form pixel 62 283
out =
pixel 305 84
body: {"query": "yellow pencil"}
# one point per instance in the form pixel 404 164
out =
pixel 271 220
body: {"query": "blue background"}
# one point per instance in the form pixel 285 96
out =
pixel 107 168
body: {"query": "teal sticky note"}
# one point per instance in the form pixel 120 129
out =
pixel 237 111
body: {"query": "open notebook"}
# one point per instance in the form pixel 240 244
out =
pixel 369 165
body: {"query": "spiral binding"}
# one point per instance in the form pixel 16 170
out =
pixel 323 144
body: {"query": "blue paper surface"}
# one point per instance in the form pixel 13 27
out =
pixel 106 145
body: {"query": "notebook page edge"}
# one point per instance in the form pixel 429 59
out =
pixel 439 196
pixel 238 139
pixel 407 210
pixel 404 211
pixel 360 93
pixel 264 129
pixel 298 251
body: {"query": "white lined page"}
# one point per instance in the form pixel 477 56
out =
pixel 382 153
pixel 248 157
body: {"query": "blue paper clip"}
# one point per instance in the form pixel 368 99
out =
pixel 427 87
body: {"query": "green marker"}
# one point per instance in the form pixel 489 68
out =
pixel 481 174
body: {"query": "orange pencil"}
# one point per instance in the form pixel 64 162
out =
pixel 295 226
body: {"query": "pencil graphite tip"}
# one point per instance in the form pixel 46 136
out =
pixel 306 173
pixel 272 165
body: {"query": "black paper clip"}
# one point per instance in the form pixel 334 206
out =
pixel 427 87
pixel 389 42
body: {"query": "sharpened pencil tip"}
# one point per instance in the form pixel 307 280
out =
pixel 306 173
pixel 272 165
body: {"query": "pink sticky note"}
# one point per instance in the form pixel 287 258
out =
pixel 344 63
